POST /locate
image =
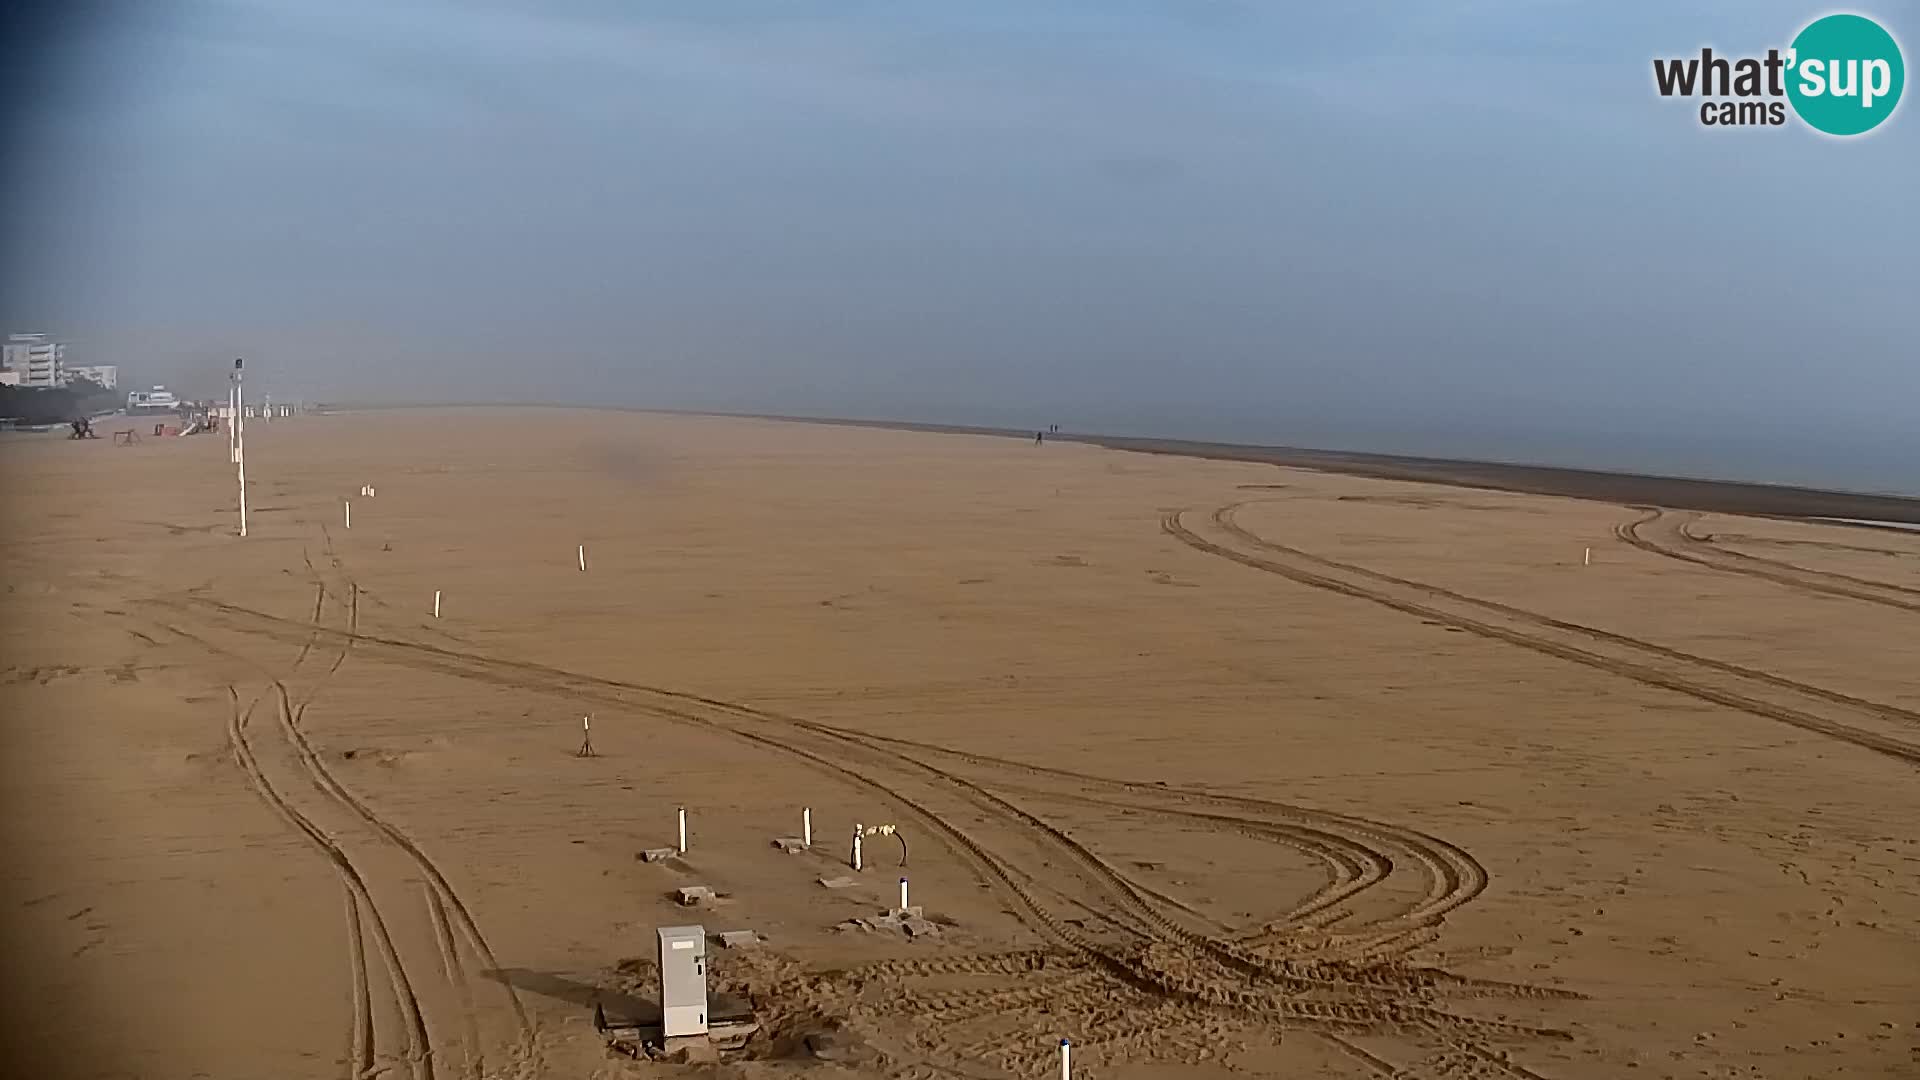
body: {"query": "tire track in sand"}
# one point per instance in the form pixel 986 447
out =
pixel 360 906
pixel 361 1058
pixel 445 904
pixel 1154 955
pixel 290 714
pixel 1678 542
pixel 1455 876
pixel 1227 520
pixel 413 1011
pixel 1525 630
pixel 443 899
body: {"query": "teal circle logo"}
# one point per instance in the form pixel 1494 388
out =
pixel 1845 74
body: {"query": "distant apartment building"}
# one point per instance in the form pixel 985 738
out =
pixel 106 375
pixel 37 361
pixel 157 400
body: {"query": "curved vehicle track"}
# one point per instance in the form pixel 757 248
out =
pixel 1292 971
pixel 1691 535
pixel 452 923
pixel 1815 709
pixel 361 1059
pixel 364 1056
pixel 1225 518
pixel 447 921
pixel 1660 533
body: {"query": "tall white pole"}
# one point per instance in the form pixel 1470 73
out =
pixel 683 830
pixel 1066 1070
pixel 240 444
pixel 806 826
pixel 233 441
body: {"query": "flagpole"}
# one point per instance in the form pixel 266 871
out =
pixel 240 443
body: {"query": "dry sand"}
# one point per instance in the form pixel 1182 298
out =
pixel 1218 768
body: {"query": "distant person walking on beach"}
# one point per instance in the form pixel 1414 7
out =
pixel 1037 436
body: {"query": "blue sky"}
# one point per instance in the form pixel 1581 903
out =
pixel 1454 228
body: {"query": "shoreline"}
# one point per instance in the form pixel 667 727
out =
pixel 1747 498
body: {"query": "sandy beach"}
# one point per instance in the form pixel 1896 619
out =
pixel 1216 768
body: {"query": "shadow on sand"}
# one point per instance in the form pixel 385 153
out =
pixel 620 1005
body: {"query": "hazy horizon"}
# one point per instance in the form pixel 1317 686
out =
pixel 1437 229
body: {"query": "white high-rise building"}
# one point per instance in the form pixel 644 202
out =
pixel 37 361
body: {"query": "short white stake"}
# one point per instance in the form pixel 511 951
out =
pixel 683 830
pixel 583 558
pixel 903 894
pixel 1588 561
pixel 806 826
pixel 348 503
pixel 857 830
pixel 1066 1069
pixel 436 603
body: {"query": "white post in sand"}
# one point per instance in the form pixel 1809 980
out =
pixel 583 558
pixel 857 830
pixel 1588 561
pixel 903 894
pixel 1066 1069
pixel 348 503
pixel 806 826
pixel 683 830
pixel 240 446
pixel 436 603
